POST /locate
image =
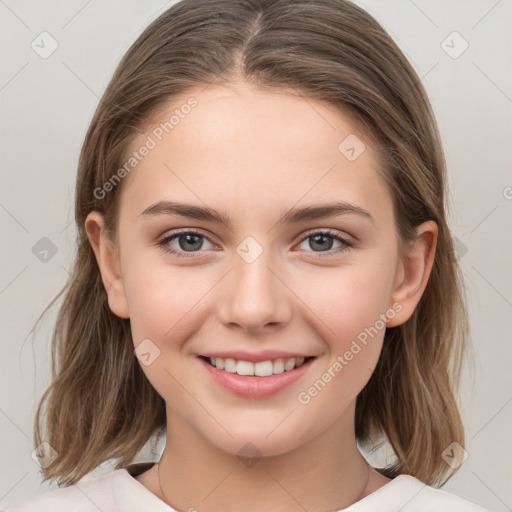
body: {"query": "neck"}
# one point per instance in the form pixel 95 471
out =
pixel 326 473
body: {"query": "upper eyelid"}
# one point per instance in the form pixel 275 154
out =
pixel 171 234
pixel 330 232
pixel 326 231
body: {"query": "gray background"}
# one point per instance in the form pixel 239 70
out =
pixel 46 106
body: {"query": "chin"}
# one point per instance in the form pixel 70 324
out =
pixel 253 443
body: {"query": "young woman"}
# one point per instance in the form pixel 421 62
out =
pixel 264 274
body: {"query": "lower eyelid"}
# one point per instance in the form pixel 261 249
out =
pixel 345 246
pixel 165 241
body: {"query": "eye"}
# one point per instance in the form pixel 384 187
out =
pixel 184 242
pixel 323 241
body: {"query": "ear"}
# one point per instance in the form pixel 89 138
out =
pixel 108 262
pixel 413 271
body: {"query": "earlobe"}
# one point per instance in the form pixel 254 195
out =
pixel 413 271
pixel 108 262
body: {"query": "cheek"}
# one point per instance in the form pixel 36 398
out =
pixel 164 301
pixel 351 321
pixel 349 300
pixel 348 308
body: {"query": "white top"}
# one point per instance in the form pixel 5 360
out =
pixel 119 491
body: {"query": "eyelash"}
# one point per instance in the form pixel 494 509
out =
pixel 333 234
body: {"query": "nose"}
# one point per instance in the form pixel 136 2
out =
pixel 254 295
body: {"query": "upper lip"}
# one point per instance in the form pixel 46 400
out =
pixel 256 357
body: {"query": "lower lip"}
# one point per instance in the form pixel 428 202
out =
pixel 251 386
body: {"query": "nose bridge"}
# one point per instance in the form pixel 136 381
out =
pixel 255 296
pixel 251 270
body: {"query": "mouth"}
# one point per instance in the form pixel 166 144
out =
pixel 255 380
pixel 259 369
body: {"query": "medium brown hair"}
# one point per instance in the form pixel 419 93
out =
pixel 100 405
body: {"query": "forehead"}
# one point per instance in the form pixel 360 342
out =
pixel 231 147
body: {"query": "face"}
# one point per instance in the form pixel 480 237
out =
pixel 262 279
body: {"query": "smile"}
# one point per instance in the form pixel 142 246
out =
pixel 244 378
pixel 260 369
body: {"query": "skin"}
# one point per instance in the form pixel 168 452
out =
pixel 252 155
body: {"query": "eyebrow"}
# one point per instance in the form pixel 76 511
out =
pixel 293 215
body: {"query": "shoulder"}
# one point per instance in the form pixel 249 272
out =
pixel 408 494
pixel 112 492
pixel 82 497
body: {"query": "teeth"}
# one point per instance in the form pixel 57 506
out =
pixel 244 368
pixel 229 365
pixel 289 365
pixel 260 369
